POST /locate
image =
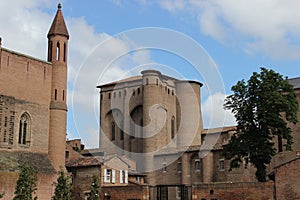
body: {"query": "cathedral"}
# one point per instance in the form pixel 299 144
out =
pixel 33 111
pixel 156 120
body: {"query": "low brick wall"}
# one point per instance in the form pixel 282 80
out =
pixel 288 181
pixel 44 191
pixel 125 193
pixel 234 191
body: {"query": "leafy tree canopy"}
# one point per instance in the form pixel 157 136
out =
pixel 26 183
pixel 262 107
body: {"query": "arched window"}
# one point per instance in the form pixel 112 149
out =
pixel 173 127
pixel 113 131
pixel 222 165
pixel 57 51
pixel 65 52
pixel 55 94
pixel 50 51
pixel 24 129
pixel 197 164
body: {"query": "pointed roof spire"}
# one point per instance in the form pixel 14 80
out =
pixel 58 26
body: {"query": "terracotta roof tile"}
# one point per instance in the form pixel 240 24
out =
pixel 83 162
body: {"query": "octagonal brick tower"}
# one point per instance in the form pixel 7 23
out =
pixel 57 54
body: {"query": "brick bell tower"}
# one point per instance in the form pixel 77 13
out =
pixel 58 37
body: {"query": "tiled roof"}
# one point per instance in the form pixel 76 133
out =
pixel 12 160
pixel 295 82
pixel 219 130
pixel 83 162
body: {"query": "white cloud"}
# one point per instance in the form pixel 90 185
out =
pixel 270 27
pixel 214 114
pixel 26 31
pixel 24 26
pixel 172 5
pixel 95 58
pixel 210 24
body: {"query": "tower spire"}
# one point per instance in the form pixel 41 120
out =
pixel 58 26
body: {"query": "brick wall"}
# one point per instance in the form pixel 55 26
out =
pixel 25 77
pixel 11 110
pixel 287 181
pixel 44 191
pixel 133 192
pixel 82 179
pixel 234 191
pixel 25 84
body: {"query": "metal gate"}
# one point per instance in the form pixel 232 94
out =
pixel 171 192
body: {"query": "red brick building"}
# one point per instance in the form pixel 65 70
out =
pixel 118 176
pixel 33 111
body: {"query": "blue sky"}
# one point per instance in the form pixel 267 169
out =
pixel 239 36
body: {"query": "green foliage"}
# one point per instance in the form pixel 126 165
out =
pixel 63 189
pixel 26 183
pixel 76 149
pixel 95 194
pixel 262 107
pixel 2 195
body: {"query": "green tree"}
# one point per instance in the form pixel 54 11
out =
pixel 63 189
pixel 262 107
pixel 26 183
pixel 2 195
pixel 95 194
